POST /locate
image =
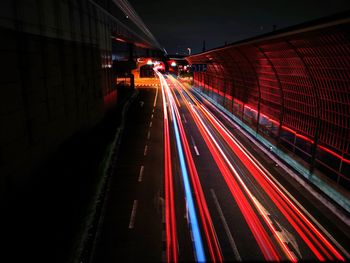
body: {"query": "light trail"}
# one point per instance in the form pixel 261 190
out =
pixel 214 247
pixel 281 242
pixel 296 218
pixel 198 243
pixel 170 221
pixel 338 212
pixel 251 218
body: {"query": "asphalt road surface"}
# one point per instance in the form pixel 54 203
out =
pixel 188 186
pixel 132 224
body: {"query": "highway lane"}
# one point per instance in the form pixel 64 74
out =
pixel 185 189
pixel 131 229
pixel 279 227
pixel 215 188
pixel 229 223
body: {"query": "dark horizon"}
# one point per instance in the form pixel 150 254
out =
pixel 112 151
pixel 188 23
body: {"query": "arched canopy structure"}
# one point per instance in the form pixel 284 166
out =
pixel 293 86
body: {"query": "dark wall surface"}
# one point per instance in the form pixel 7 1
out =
pixel 56 79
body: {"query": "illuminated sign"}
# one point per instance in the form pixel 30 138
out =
pixel 199 67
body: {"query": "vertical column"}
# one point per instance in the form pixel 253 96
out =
pixel 281 94
pixel 259 89
pixel 318 105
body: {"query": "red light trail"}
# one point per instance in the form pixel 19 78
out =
pixel 214 248
pixel 170 221
pixel 268 209
pixel 305 138
pixel 313 238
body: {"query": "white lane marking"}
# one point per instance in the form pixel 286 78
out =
pixel 286 235
pixel 183 116
pixel 148 135
pixel 133 215
pixel 194 146
pixel 141 173
pixel 152 111
pixel 225 225
pixel 196 150
pixel 155 98
pixel 150 124
pixel 186 212
pixel 296 177
pixel 283 235
pixel 145 150
pixel 152 116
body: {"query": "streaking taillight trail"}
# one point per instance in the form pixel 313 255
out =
pixel 314 239
pixel 194 225
pixel 251 218
pixel 311 236
pixel 208 228
pixel 170 221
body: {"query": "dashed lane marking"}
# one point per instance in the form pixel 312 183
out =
pixel 194 146
pixel 133 215
pixel 183 116
pixel 196 150
pixel 141 173
pixel 226 227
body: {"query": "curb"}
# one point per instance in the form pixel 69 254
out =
pixel 86 249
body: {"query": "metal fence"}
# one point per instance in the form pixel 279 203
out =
pixel 293 87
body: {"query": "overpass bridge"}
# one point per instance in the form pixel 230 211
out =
pixel 243 158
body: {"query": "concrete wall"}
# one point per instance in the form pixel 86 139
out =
pixel 55 64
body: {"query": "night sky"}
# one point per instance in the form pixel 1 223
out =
pixel 180 24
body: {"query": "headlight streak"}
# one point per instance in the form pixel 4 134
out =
pixel 296 218
pixel 213 245
pixel 291 197
pixel 279 239
pixel 198 244
pixel 251 218
pixel 289 210
pixel 170 221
